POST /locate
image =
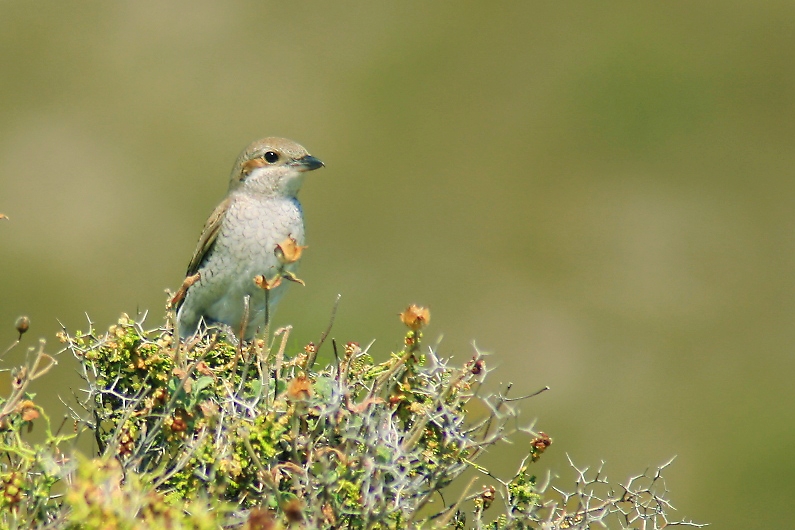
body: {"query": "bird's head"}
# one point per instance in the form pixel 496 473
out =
pixel 273 167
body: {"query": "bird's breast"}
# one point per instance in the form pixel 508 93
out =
pixel 252 229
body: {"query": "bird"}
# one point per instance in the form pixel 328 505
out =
pixel 251 241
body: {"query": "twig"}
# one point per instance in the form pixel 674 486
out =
pixel 312 356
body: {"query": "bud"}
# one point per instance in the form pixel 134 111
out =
pixel 22 324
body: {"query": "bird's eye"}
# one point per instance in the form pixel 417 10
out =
pixel 271 157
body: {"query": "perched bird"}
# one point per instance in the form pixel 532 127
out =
pixel 250 243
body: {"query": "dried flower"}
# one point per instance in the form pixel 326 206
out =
pixel 203 368
pixel 179 422
pixel 209 408
pixel 328 514
pixel 539 444
pixel 263 283
pixel 289 251
pixel 28 410
pixel 477 366
pixel 415 317
pixel 488 496
pixel 352 348
pixel 299 388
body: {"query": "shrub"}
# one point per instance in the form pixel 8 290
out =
pixel 216 433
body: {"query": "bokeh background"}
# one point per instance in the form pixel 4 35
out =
pixel 599 194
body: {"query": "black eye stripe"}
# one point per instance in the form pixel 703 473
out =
pixel 271 157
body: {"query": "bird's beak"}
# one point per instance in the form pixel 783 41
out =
pixel 308 163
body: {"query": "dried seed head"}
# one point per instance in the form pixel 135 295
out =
pixel 415 317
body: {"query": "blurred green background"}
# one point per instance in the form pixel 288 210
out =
pixel 599 194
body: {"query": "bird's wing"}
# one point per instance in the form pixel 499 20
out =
pixel 209 233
